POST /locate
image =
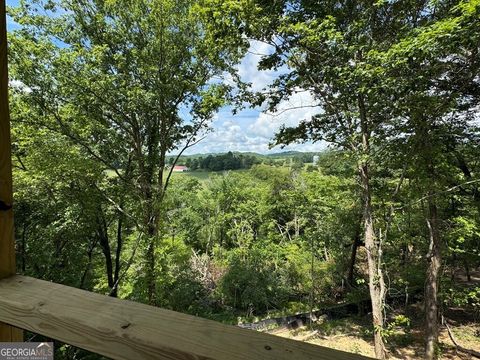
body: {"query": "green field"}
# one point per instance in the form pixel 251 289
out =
pixel 204 175
pixel 199 174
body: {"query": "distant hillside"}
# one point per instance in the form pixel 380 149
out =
pixel 278 155
pixel 286 153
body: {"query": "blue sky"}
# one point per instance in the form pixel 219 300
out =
pixel 253 129
pixel 250 129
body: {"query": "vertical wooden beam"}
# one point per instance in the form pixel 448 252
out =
pixel 7 239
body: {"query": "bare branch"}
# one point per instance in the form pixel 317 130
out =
pixel 437 193
pixel 291 108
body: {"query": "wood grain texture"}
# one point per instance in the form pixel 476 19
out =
pixel 123 329
pixel 7 245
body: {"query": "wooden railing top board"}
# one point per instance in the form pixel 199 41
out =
pixel 127 330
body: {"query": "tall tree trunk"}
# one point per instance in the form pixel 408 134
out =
pixel 102 232
pixel 150 276
pixel 376 282
pixel 118 253
pixel 357 242
pixel 91 248
pixel 434 258
pixel 146 154
pixel 426 139
pixel 150 226
pixel 467 270
pixel 120 224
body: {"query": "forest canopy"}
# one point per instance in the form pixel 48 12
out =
pixel 107 97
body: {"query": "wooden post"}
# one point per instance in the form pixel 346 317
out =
pixel 7 239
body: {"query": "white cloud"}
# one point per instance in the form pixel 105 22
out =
pixel 300 106
pixel 229 136
pixel 254 131
pixel 248 68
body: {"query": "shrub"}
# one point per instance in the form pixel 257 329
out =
pixel 251 282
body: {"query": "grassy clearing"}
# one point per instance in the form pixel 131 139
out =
pixel 200 175
pixel 204 175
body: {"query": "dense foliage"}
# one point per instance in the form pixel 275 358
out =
pixel 99 104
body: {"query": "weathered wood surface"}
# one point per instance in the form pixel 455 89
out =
pixel 7 247
pixel 123 329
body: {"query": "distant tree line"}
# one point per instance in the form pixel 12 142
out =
pixel 231 161
pixel 228 161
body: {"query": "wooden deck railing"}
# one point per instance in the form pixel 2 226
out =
pixel 122 329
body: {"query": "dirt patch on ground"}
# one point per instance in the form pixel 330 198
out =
pixel 354 335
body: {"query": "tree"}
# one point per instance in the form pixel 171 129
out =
pixel 331 50
pixel 113 76
pixel 433 72
pixel 324 46
pixel 65 199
